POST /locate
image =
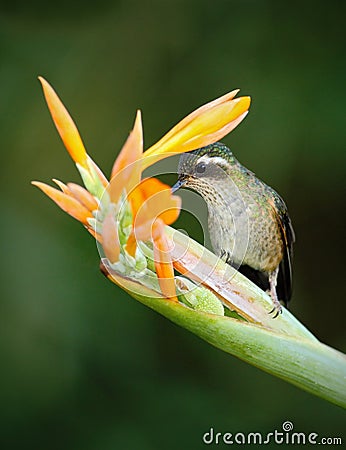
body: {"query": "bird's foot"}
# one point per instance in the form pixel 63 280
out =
pixel 277 309
pixel 226 257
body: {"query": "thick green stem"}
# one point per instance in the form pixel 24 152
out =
pixel 306 363
pixel 310 365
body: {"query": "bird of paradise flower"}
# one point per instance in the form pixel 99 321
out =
pixel 104 207
pixel 130 217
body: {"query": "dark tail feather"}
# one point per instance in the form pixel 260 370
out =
pixel 284 285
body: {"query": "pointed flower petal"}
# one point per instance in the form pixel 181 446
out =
pixel 204 126
pixel 83 196
pixel 65 202
pixel 65 125
pixel 126 172
pixel 133 147
pixel 62 186
pixel 195 114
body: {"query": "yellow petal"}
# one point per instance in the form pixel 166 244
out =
pixel 65 202
pixel 65 125
pixel 198 112
pixel 204 126
pixel 126 172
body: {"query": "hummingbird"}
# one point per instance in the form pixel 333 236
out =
pixel 248 221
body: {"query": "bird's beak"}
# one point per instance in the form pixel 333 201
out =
pixel 181 181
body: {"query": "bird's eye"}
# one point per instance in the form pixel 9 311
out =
pixel 200 168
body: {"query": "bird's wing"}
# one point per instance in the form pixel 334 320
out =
pixel 284 282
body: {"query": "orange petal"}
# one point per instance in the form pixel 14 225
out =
pixel 172 210
pixel 97 236
pixel 131 244
pixel 110 239
pixel 133 147
pixel 152 203
pixel 163 264
pixel 161 205
pixel 83 196
pixel 65 202
pixel 152 199
pixel 204 126
pixel 126 173
pixel 62 186
pixel 65 125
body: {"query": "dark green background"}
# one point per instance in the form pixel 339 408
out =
pixel 83 366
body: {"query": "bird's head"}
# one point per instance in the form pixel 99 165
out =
pixel 202 169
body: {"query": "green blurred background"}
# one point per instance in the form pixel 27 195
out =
pixel 84 366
